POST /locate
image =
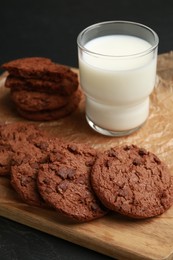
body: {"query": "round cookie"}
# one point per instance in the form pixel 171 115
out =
pixel 65 85
pixel 36 101
pixel 39 68
pixel 30 67
pixel 12 136
pixel 48 115
pixel 19 131
pixel 64 182
pixel 24 169
pixel 133 182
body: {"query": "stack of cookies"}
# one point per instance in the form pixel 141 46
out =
pixel 42 90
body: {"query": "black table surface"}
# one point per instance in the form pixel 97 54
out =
pixel 49 28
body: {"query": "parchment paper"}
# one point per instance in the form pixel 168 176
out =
pixel 156 134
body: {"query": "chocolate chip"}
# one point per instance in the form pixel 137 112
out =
pixel 65 172
pixel 112 153
pixel 126 148
pixel 107 163
pixel 137 162
pixel 142 152
pixel 157 160
pixel 62 187
pixel 46 181
pixel 62 172
pixel 42 145
pixel 73 149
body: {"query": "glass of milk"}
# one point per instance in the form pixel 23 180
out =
pixel 117 65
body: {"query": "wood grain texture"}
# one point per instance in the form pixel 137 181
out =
pixel 113 235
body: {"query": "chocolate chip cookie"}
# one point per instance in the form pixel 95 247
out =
pixel 25 164
pixel 39 68
pixel 37 101
pixel 66 85
pixel 133 182
pixel 12 136
pixel 64 182
pixel 54 114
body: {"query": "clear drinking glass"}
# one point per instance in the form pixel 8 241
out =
pixel 117 66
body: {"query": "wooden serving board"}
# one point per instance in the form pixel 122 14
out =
pixel 112 235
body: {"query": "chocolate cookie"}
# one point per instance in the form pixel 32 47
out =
pixel 64 182
pixel 133 182
pixel 24 168
pixel 36 101
pixel 38 68
pixel 64 86
pixel 48 115
pixel 18 131
pixel 12 136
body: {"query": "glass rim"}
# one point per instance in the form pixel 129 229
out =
pixel 96 25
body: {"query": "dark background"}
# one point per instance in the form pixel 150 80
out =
pixel 49 28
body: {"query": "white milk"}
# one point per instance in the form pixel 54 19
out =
pixel 117 88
